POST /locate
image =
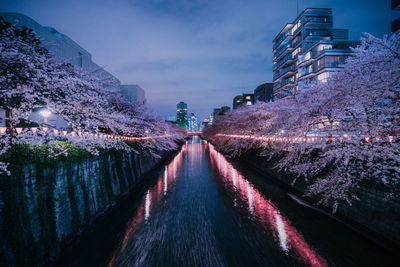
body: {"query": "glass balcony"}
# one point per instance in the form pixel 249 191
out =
pixel 284 71
pixel 281 39
pixel 281 50
pixel 284 60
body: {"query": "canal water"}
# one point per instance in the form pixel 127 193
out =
pixel 203 210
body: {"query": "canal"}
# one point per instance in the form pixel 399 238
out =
pixel 202 210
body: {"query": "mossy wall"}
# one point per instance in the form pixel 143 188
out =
pixel 43 206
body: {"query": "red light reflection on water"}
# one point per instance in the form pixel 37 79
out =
pixel 265 212
pixel 151 200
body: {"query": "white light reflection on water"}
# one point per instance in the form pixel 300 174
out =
pixel 250 198
pixel 265 212
pixel 165 180
pixel 280 227
pixel 147 206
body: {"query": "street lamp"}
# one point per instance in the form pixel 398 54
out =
pixel 45 113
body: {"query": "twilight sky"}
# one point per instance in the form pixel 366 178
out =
pixel 203 52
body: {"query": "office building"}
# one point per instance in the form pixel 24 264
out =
pixel 308 49
pixel 181 115
pixel 264 93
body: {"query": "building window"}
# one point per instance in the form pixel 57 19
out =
pixel 307 56
pixel 296 51
pixel 296 26
pixel 321 47
pixel 317 32
pixel 323 77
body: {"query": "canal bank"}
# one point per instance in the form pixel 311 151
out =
pixel 203 210
pixel 372 216
pixel 43 208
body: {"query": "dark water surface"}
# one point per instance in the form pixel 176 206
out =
pixel 201 210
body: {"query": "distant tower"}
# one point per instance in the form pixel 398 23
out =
pixel 181 115
pixel 193 125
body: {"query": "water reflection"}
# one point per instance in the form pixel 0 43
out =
pixel 153 198
pixel 264 212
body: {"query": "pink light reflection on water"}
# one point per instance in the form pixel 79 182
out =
pixel 150 201
pixel 265 212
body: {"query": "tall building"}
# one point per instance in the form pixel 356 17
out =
pixel 243 100
pixel 193 125
pixel 264 93
pixel 395 5
pixel 181 115
pixel 308 49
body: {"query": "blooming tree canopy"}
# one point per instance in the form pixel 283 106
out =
pixel 30 78
pixel 357 110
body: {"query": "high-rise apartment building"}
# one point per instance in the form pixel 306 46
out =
pixel 308 49
pixel 181 115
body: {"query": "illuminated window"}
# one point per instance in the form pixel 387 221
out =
pixel 324 46
pixel 307 56
pixel 248 97
pixel 296 51
pixel 323 77
pixel 296 26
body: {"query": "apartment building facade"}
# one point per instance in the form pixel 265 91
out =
pixel 308 49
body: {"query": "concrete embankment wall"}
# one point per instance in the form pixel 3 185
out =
pixel 43 208
pixel 372 215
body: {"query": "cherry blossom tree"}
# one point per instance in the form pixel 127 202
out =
pixel 30 78
pixel 357 111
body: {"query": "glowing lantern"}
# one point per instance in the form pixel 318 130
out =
pixel 34 130
pixel 19 130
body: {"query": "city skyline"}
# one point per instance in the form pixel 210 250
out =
pixel 177 52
